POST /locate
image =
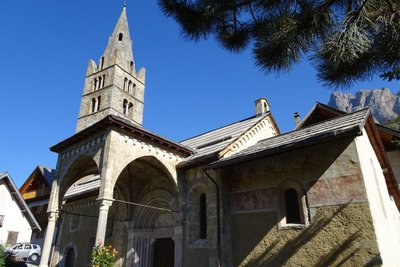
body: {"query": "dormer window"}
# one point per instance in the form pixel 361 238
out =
pixel 120 36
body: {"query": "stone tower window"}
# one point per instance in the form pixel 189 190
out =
pixel 203 216
pixel 133 88
pixel 125 84
pixel 98 103
pixel 101 63
pixel 95 84
pixel 103 80
pixel 120 36
pixel 130 109
pixel 125 107
pixel 94 104
pixel 131 66
pixel 129 86
pixel 100 82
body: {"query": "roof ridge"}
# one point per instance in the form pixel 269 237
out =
pixel 318 123
pixel 230 124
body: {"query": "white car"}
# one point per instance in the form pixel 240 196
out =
pixel 26 250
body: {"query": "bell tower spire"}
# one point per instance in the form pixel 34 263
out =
pixel 113 87
pixel 119 48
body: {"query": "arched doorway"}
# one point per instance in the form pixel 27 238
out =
pixel 153 212
pixel 70 258
pixel 164 252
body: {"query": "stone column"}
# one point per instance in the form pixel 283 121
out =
pixel 178 246
pixel 102 221
pixel 44 260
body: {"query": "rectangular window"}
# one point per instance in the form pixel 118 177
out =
pixel 12 238
pixel 1 220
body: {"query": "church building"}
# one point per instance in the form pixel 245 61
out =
pixel 244 194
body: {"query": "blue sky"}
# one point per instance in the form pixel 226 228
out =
pixel 190 87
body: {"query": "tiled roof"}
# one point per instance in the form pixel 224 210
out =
pixel 48 174
pixel 216 140
pixel 83 186
pixel 348 123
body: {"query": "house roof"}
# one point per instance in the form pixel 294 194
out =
pixel 348 124
pixel 46 173
pixel 322 112
pixel 212 142
pixel 20 201
pixel 120 123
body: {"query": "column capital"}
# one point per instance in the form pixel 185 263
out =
pixel 105 203
pixel 52 215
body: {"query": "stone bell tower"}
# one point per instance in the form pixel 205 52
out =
pixel 113 87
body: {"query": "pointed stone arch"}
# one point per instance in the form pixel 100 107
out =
pixel 148 182
pixel 157 161
pixel 81 167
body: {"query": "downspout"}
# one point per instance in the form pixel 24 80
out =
pixel 218 218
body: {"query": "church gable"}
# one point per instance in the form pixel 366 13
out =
pixel 232 138
pixel 263 129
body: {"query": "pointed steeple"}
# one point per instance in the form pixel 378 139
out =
pixel 113 87
pixel 119 48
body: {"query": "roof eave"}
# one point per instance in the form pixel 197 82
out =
pixel 354 131
pixel 199 161
pixel 111 120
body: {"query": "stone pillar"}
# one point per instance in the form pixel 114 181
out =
pixel 102 221
pixel 178 246
pixel 44 260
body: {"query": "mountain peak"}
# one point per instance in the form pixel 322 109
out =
pixel 384 105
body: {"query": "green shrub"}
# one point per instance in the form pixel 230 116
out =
pixel 103 256
pixel 2 256
pixel 7 259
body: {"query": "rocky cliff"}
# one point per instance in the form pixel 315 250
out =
pixel 384 105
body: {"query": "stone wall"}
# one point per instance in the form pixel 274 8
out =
pixel 338 228
pixel 198 251
pixel 77 230
pixel 337 235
